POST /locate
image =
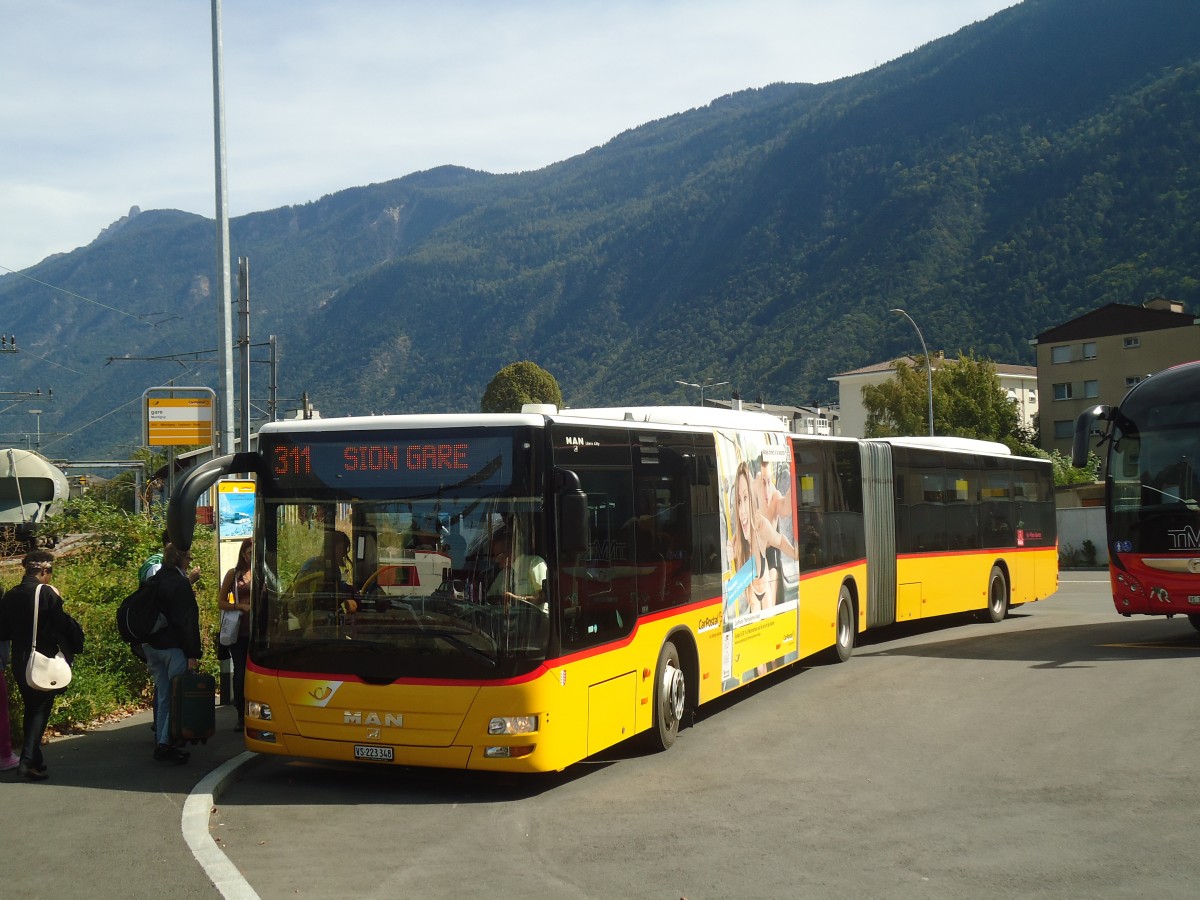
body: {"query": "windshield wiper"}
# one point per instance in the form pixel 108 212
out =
pixel 463 645
pixel 290 649
pixel 1191 505
pixel 450 636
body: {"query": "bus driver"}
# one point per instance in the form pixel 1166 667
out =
pixel 519 578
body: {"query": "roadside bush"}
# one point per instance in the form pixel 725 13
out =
pixel 94 573
pixel 1082 557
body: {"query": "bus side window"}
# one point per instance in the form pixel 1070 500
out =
pixel 961 497
pixel 920 510
pixel 663 532
pixel 706 522
pixel 599 585
pixel 995 508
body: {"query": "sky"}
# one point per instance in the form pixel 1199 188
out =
pixel 109 105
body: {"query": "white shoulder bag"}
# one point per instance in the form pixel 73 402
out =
pixel 45 673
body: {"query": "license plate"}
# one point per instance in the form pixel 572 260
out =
pixel 376 754
pixel 1194 599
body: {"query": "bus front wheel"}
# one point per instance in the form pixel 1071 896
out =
pixel 997 605
pixel 845 626
pixel 670 698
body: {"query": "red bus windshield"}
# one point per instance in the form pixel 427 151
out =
pixel 1154 470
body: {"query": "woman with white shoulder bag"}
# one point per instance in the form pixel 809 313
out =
pixel 33 619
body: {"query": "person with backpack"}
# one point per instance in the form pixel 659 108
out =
pixel 174 649
pixel 146 571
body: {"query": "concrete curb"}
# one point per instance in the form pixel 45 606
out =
pixel 224 875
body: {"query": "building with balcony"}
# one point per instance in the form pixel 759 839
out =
pixel 1100 355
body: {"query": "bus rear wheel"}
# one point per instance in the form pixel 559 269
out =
pixel 844 635
pixel 997 605
pixel 670 698
pixel 1194 618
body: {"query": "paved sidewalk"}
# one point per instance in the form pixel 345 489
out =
pixel 107 822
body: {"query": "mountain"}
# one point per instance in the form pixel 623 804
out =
pixel 993 183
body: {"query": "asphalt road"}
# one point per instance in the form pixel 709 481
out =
pixel 1055 754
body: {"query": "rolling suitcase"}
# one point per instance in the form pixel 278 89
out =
pixel 193 710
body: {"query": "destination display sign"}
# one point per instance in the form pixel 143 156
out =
pixel 350 461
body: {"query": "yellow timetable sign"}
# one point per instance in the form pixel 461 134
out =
pixel 179 421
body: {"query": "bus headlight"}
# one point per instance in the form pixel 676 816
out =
pixel 256 710
pixel 513 725
pixel 1131 583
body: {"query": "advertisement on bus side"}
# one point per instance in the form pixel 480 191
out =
pixel 760 587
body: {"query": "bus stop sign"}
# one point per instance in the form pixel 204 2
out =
pixel 178 416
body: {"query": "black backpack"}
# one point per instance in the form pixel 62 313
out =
pixel 139 616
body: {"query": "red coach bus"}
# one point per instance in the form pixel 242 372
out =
pixel 1151 441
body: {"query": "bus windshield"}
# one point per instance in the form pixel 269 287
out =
pixel 1154 479
pixel 405 554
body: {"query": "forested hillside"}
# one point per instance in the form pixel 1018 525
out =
pixel 993 183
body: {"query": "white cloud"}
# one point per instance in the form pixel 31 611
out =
pixel 107 106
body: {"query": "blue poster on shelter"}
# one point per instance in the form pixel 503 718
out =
pixel 235 510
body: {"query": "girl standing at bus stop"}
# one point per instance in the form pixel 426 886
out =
pixel 235 598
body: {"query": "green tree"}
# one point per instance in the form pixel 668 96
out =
pixel 900 404
pixel 967 402
pixel 517 384
pixel 1065 473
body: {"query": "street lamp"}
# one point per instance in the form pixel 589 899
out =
pixel 703 387
pixel 38 413
pixel 928 365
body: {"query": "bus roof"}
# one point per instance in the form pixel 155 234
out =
pixel 537 414
pixel 418 420
pixel 965 445
pixel 705 416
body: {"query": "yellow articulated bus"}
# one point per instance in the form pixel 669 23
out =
pixel 603 571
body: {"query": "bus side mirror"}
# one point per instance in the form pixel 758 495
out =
pixel 1084 428
pixel 181 513
pixel 572 514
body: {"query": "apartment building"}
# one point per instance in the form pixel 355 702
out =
pixel 797 419
pixel 1019 382
pixel 1100 355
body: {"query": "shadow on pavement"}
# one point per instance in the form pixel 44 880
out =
pixel 107 821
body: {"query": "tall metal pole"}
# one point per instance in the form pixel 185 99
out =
pixel 225 311
pixel 38 445
pixel 928 365
pixel 244 345
pixel 702 387
pixel 273 388
pixel 713 384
